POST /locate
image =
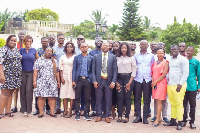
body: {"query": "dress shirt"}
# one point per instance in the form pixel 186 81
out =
pixel 58 52
pixel 178 70
pixel 106 55
pixel 94 52
pixel 84 71
pixel 144 63
pixel 194 72
pixel 77 50
pixel 126 65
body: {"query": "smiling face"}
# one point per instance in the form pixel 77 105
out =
pixel 28 43
pixel 61 39
pixel 182 47
pixel 84 47
pixel 160 54
pixel 153 46
pixel 69 48
pixel 124 50
pixel 48 52
pixel 44 42
pixel 143 45
pixel 12 42
pixel 105 47
pixel 174 51
pixel 190 52
pixel 116 46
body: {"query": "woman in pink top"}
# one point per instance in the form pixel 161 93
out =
pixel 159 83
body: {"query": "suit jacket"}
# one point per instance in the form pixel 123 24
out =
pixel 77 64
pixel 111 68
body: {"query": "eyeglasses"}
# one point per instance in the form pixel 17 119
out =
pixel 79 39
pixel 182 46
pixel 61 38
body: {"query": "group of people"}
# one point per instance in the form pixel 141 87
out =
pixel 104 78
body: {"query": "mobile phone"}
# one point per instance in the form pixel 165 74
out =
pixel 155 87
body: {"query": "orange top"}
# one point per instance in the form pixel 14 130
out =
pixel 18 45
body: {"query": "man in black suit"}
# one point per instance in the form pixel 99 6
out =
pixel 104 75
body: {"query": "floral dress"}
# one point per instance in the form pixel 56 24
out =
pixel 46 83
pixel 12 68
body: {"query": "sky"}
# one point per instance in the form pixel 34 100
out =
pixel 161 12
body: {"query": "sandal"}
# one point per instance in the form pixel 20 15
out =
pixel 40 116
pixel 53 115
pixel 9 115
pixel 2 115
pixel 68 116
pixel 63 115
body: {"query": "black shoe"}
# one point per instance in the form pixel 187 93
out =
pixel 55 116
pixel 119 119
pixel 192 126
pixel 48 112
pixel 171 123
pixel 145 121
pixel 166 120
pixel 14 110
pixel 179 127
pixel 58 111
pixel 93 114
pixel 183 123
pixel 86 117
pixel 77 117
pixel 36 112
pixel 153 119
pixel 138 119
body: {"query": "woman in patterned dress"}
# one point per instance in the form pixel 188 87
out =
pixel 10 74
pixel 65 67
pixel 46 81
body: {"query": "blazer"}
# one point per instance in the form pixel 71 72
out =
pixel 111 68
pixel 77 64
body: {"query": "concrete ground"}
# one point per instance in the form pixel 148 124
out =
pixel 47 124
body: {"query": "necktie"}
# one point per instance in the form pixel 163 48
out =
pixel 104 69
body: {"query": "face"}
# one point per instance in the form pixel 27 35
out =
pixel 190 51
pixel 80 40
pixel 153 46
pixel 182 47
pixel 21 35
pixel 105 47
pixel 61 39
pixel 28 43
pixel 51 40
pixel 124 50
pixel 84 48
pixel 116 46
pixel 44 42
pixel 144 46
pixel 69 48
pixel 161 45
pixel 110 45
pixel 98 43
pixel 48 52
pixel 174 51
pixel 132 46
pixel 160 54
pixel 12 42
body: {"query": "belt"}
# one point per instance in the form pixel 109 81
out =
pixel 82 77
pixel 104 77
pixel 124 74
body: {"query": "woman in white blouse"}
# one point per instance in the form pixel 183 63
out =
pixel 126 72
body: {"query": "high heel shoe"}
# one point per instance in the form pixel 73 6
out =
pixel 156 125
pixel 40 116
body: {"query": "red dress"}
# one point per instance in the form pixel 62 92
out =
pixel 161 90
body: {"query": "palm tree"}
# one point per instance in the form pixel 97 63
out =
pixel 97 16
pixel 147 24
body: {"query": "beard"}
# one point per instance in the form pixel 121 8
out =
pixel 98 46
pixel 110 49
pixel 51 44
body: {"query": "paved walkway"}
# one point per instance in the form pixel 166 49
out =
pixel 47 124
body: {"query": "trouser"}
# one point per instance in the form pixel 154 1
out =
pixel 164 107
pixel 107 91
pixel 124 97
pixel 146 89
pixel 36 105
pixel 86 86
pixel 58 101
pixel 176 101
pixel 26 92
pixel 82 100
pixel 191 97
pixel 93 99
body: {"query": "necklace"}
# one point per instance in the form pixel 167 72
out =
pixel 158 62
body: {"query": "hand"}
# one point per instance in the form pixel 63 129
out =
pixel 178 87
pixel 34 84
pixel 2 79
pixel 73 84
pixel 118 87
pixel 58 85
pixel 96 85
pixel 62 81
pixel 198 90
pixel 153 84
pixel 112 85
pixel 127 87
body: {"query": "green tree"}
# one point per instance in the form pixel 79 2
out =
pixel 130 27
pixel 86 28
pixel 112 31
pixel 97 16
pixel 22 15
pixel 147 24
pixel 176 33
pixel 2 42
pixel 42 14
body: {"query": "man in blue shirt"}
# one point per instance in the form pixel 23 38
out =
pixel 81 80
pixel 144 61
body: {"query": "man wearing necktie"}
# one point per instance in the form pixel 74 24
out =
pixel 104 75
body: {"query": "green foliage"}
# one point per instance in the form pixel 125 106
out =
pixel 2 42
pixel 130 27
pixel 111 32
pixel 22 15
pixel 5 16
pixel 97 16
pixel 42 14
pixel 86 28
pixel 176 33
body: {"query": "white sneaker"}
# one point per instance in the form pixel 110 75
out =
pixel 25 114
pixel 30 115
